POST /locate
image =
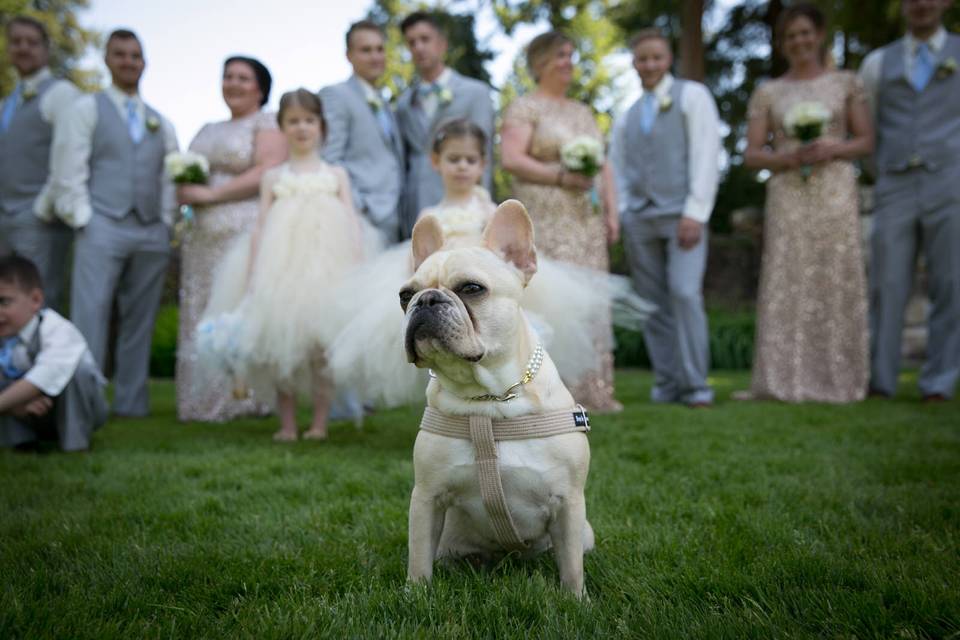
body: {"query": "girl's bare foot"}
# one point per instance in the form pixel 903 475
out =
pixel 316 433
pixel 285 435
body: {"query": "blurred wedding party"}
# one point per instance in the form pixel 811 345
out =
pixel 282 239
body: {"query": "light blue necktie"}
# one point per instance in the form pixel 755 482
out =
pixel 922 67
pixel 133 121
pixel 10 107
pixel 7 367
pixel 648 111
pixel 428 88
pixel 383 117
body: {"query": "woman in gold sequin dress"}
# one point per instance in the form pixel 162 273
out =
pixel 535 128
pixel 812 336
pixel 239 150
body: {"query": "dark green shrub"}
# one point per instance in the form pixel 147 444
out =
pixel 163 351
pixel 731 342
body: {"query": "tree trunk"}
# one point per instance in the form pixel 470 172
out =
pixel 779 63
pixel 691 40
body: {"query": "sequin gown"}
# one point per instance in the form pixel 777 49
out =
pixel 202 394
pixel 565 223
pixel 812 334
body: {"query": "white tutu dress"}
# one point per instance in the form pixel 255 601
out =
pixel 271 330
pixel 364 323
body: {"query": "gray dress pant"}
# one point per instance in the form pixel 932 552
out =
pixel 47 244
pixel 127 260
pixel 671 278
pixel 905 223
pixel 77 412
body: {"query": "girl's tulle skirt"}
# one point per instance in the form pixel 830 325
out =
pixel 564 302
pixel 265 322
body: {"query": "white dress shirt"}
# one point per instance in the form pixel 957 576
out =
pixel 70 166
pixel 872 66
pixel 703 136
pixel 431 102
pixel 371 94
pixel 54 105
pixel 62 347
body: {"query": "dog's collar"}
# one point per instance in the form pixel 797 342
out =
pixel 533 366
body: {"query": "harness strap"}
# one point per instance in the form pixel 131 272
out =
pixel 523 428
pixel 484 433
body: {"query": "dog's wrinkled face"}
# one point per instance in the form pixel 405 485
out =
pixel 461 304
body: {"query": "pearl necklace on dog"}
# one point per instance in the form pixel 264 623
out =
pixel 533 366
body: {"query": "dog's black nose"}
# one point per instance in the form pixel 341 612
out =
pixel 432 298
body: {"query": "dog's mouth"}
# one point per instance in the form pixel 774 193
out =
pixel 437 330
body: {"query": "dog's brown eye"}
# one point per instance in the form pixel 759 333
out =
pixel 471 289
pixel 405 296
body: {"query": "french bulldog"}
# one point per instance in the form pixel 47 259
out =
pixel 463 321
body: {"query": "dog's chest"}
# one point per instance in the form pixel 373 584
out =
pixel 535 481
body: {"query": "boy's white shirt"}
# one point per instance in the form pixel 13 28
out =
pixel 62 347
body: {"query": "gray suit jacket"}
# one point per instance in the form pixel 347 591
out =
pixel 424 188
pixel 374 163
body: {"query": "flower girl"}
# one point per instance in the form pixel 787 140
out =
pixel 364 322
pixel 306 238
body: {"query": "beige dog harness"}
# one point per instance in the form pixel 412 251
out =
pixel 484 433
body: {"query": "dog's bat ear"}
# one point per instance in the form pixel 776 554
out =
pixel 427 239
pixel 509 234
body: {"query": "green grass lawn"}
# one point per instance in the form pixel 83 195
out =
pixel 748 520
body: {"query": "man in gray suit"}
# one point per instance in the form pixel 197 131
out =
pixel 362 133
pixel 914 87
pixel 437 94
pixel 113 191
pixel 665 151
pixel 28 117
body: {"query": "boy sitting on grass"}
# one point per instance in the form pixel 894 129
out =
pixel 50 385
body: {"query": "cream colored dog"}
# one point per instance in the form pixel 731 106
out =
pixel 464 322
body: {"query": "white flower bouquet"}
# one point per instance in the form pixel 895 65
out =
pixel 806 121
pixel 583 154
pixel 185 167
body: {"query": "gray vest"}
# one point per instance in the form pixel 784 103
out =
pixel 125 177
pixel 25 155
pixel 657 168
pixel 916 129
pixel 24 356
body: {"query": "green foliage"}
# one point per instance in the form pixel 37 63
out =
pixel 749 520
pixel 163 349
pixel 596 37
pixel 69 41
pixel 731 338
pixel 731 342
pixel 464 53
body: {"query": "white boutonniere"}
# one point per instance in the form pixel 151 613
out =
pixel 946 68
pixel 29 93
pixel 665 103
pixel 375 103
pixel 153 125
pixel 445 96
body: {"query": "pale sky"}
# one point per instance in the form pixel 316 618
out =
pixel 185 43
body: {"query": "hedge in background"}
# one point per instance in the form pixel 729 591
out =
pixel 163 352
pixel 731 343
